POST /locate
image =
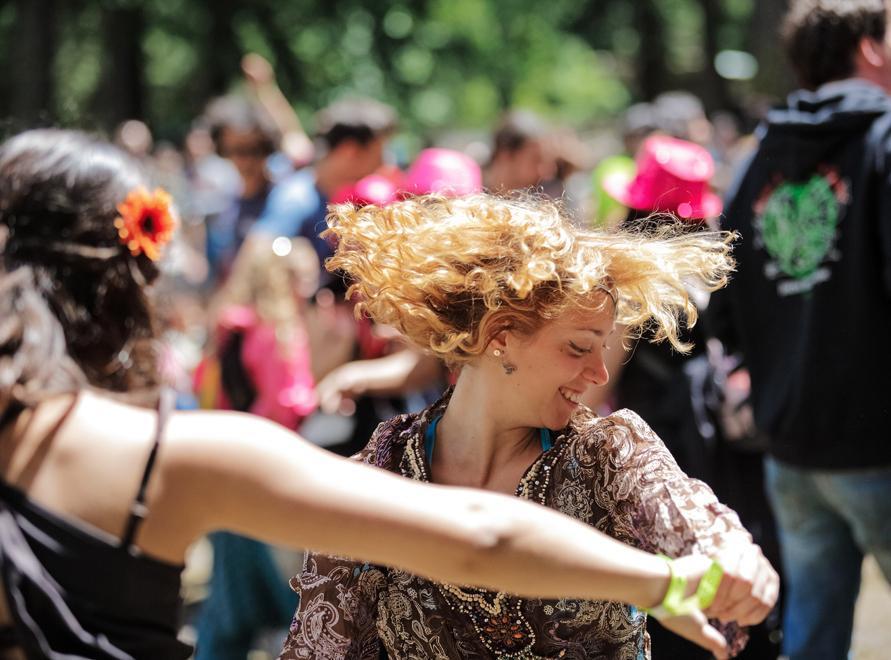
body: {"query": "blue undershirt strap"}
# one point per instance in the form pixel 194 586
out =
pixel 430 439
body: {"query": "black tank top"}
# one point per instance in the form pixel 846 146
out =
pixel 76 592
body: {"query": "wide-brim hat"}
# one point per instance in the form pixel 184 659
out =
pixel 672 175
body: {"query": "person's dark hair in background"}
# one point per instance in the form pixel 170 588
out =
pixel 55 229
pixel 822 37
pixel 516 129
pixel 638 123
pixel 681 114
pixel 244 134
pixel 518 160
pixel 235 114
pixel 350 136
pixel 361 120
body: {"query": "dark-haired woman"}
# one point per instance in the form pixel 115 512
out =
pixel 100 495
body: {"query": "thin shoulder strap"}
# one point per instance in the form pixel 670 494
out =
pixel 138 509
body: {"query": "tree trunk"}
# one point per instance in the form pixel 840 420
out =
pixel 289 75
pixel 651 55
pixel 221 53
pixel 775 76
pixel 32 52
pixel 716 93
pixel 122 90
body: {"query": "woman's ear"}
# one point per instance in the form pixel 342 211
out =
pixel 498 341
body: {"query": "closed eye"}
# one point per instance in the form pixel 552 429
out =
pixel 578 350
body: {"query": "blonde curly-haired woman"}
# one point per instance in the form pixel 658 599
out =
pixel 521 303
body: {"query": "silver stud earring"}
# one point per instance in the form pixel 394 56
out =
pixel 497 352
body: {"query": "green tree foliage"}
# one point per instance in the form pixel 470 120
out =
pixel 442 63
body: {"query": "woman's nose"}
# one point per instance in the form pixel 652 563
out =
pixel 597 373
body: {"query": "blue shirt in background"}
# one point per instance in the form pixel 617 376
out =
pixel 296 207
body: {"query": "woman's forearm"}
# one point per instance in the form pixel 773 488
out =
pixel 532 551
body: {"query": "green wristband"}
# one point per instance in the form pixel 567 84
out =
pixel 708 585
pixel 674 603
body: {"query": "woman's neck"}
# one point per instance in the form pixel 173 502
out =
pixel 476 440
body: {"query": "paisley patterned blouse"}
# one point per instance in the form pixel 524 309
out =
pixel 613 473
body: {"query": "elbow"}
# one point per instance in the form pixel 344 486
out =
pixel 491 534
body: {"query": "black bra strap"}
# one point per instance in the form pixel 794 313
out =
pixel 138 509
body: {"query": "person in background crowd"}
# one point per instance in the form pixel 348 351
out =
pixel 246 136
pixel 638 123
pixel 570 157
pixel 386 376
pixel 812 207
pixel 523 302
pixel 730 148
pixel 213 180
pixel 351 135
pixel 682 115
pixel 294 144
pixel 260 363
pixel 678 393
pixel 606 210
pixel 519 160
pixel 102 489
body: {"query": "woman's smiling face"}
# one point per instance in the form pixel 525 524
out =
pixel 555 366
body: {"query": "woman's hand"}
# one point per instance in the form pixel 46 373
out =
pixel 749 589
pixel 696 628
pixel 338 390
pixel 257 70
pixel 747 592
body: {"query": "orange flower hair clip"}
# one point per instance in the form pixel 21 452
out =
pixel 146 222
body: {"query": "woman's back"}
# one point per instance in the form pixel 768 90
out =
pixel 71 508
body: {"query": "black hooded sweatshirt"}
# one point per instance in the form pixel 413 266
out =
pixel 811 302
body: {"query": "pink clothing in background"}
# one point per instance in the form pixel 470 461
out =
pixel 281 375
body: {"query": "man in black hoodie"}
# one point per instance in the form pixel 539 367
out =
pixel 810 305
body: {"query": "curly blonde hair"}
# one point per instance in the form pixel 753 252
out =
pixel 452 273
pixel 266 279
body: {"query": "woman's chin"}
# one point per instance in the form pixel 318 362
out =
pixel 559 420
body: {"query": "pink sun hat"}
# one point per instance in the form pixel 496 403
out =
pixel 443 171
pixel 672 175
pixel 373 189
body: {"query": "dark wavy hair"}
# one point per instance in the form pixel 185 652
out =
pixel 516 129
pixel 821 37
pixel 240 114
pixel 361 120
pixel 73 305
